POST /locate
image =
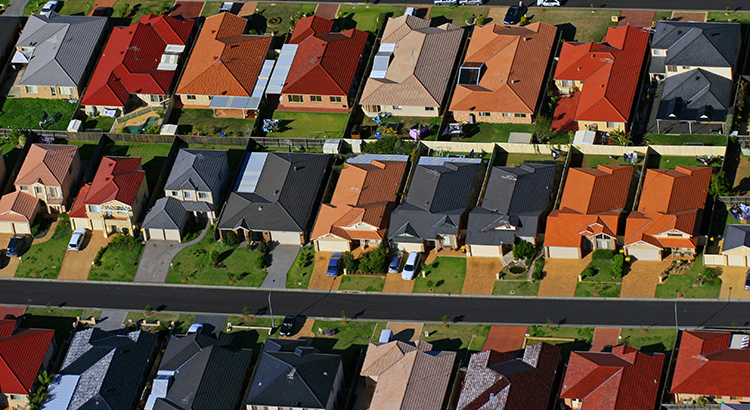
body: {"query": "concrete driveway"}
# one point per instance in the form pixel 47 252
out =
pixel 394 283
pixel 212 324
pixel 642 278
pixel 15 8
pixel 77 264
pixel 281 259
pixel 561 276
pixel 157 257
pixel 734 278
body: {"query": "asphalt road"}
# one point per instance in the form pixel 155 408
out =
pixel 376 306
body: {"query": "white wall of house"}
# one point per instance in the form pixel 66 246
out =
pixel 402 110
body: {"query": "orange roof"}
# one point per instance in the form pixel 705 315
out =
pixel 671 200
pixel 224 61
pixel 592 202
pixel 611 72
pixel 512 81
pixel 365 193
pixel 18 207
pixel 47 164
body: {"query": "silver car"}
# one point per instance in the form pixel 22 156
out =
pixel 77 239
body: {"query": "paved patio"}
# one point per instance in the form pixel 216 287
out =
pixel 77 264
pixel 480 275
pixel 642 278
pixel 636 18
pixel 561 276
pixel 157 258
pixel 734 278
pixel 405 332
pixel 394 284
pixel 319 280
pixel 507 339
pixel 605 338
pixel 248 9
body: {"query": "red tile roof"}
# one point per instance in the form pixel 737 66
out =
pixel 706 366
pixel 325 62
pixel 117 179
pixel 624 379
pixel 11 312
pixel 670 200
pixel 130 59
pixel 224 61
pixel 611 72
pixel 46 163
pixel 21 356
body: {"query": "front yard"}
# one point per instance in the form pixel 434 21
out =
pixel 362 283
pixel 444 275
pixel 282 11
pixel 463 339
pixel 118 264
pixel 26 113
pixel 309 124
pixel 581 25
pixel 57 319
pixel 598 289
pixel 687 286
pixel 583 336
pixel 300 273
pixel 649 340
pixel 43 260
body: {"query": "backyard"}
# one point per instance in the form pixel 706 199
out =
pixel 43 260
pixel 664 139
pixel 685 285
pixel 309 124
pixel 489 132
pixel 362 283
pixel 670 162
pixel 399 126
pixel 592 161
pixel 152 156
pixel 576 25
pixel 444 275
pixel 202 122
pixel 516 287
pixel 99 123
pixel 284 12
pixel 514 160
pixel 366 17
pixel 27 113
pixel 235 154
pixel 118 264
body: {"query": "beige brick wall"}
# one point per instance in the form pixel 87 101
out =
pixel 568 90
pixel 307 103
pixel 201 101
pixel 602 126
pixel 45 91
pixel 495 117
pixel 404 111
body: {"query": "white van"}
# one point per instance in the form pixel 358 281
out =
pixel 411 266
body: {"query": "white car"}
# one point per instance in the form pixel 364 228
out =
pixel 77 239
pixel 410 267
pixel 445 2
pixel 48 8
pixel 195 328
pixel 470 2
pixel 548 3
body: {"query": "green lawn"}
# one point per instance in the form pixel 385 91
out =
pixel 603 268
pixel 488 132
pixel 514 160
pixel 519 287
pixel 193 266
pixel 299 277
pixel 284 11
pixel 309 124
pixel 10 151
pixel 670 162
pixel 26 113
pixel 576 25
pixel 252 338
pixel 662 15
pixel 210 8
pixel 59 320
pixel 351 338
pixel 152 156
pixel 592 161
pixel 365 17
pixel 92 313
pixel 183 323
pixel 445 275
pixel 363 283
pixel 101 122
pixel 85 148
pixel 598 289
pixel 369 126
pixel 582 335
pixel 686 284
pixel 742 17
pixel 43 260
pixel 649 339
pixel 663 139
pixel 202 122
pixel 118 265
pixel 144 7
pixel 457 15
pixel 463 339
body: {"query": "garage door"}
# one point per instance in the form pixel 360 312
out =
pixel 642 254
pixel 332 246
pixel 484 251
pixel 172 235
pixel 21 227
pixel 736 260
pixel 409 247
pixel 287 238
pixel 6 227
pixel 564 252
pixel 157 234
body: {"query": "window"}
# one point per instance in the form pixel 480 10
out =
pixel 506 114
pixel 95 208
pixel 520 115
pixel 66 90
pixel 485 114
pixel 169 58
pixel 23 188
pixel 17 397
pixel 397 107
pixel 316 98
pixel 429 108
pixel 54 192
pixel 188 194
pixel 296 98
pixel 53 91
pixel 686 67
pixel 203 195
pixel 372 108
pixel 191 97
pixel 31 89
pixel 567 83
pixel 671 68
pixel 675 234
pixel 175 193
pixel 155 98
pixel 611 124
pixel 658 52
pixel 335 99
pixel 38 190
pixel 27 49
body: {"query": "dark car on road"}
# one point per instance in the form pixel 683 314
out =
pixel 514 14
pixel 16 246
pixel 286 326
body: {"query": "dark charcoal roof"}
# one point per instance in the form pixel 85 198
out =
pixel 113 367
pixel 438 195
pixel 167 213
pixel 291 373
pixel 196 169
pixel 735 236
pixel 284 197
pixel 210 374
pixel 698 44
pixel 695 95
pixel 516 196
pixel 8 26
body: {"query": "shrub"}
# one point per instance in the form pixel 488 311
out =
pixel 22 140
pixel 260 263
pixel 125 241
pixel 148 308
pixel 538 273
pixel 588 272
pixel 479 21
pixel 364 264
pixel 523 250
pixel 214 256
pixel 246 311
pixel 709 274
pixel 350 264
pixel 63 227
pixel 524 21
pixel 617 267
pixel 603 254
pixel 99 256
pixel 229 239
pixel 13 137
pixel 719 185
pixel 389 145
pixel 378 260
pixel 262 248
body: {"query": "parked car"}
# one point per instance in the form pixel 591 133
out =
pixel 17 245
pixel 747 281
pixel 286 326
pixel 395 264
pixel 445 2
pixel 334 264
pixel 77 239
pixel 195 328
pixel 548 3
pixel 48 8
pixel 470 2
pixel 411 266
pixel 514 14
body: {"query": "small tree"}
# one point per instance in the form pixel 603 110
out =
pixel 214 256
pixel 364 264
pixel 538 273
pixel 22 140
pixel 229 239
pixel 709 274
pixel 246 312
pixel 523 250
pixel 262 262
pixel 618 265
pixel 446 320
pixel 148 308
pixel 49 306
pixel 350 264
pixel 379 260
pixel 719 185
pixel 344 316
pixel 480 20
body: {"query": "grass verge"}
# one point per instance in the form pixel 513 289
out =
pixel 517 287
pixel 300 273
pixel 597 289
pixel 362 283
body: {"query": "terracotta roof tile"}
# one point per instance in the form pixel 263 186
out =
pixel 706 366
pixel 117 179
pixel 380 357
pixel 18 207
pixel 512 81
pixel 224 61
pixel 21 357
pixel 46 163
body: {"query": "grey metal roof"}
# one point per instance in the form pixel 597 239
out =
pixel 197 169
pixel 283 196
pixel 514 199
pixel 437 197
pixel 291 373
pixel 698 44
pixel 64 45
pixel 735 236
pixel 167 213
pixel 695 95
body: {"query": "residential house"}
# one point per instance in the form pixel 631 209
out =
pixel 497 81
pixel 10 27
pixel 622 379
pixel 514 203
pixel 18 211
pixel 114 200
pixel 200 372
pixel 227 71
pixel 697 97
pixel 407 376
pixel 412 68
pixel 591 209
pixel 195 188
pixel 276 197
pixel 736 246
pixel 24 353
pixel 441 193
pixel 103 370
pixel 359 211
pixel 324 68
pixel 50 173
pixel 57 53
pixel 712 364
pixel 137 66
pixel 669 213
pixel 291 374
pixel 604 78
pixel 500 381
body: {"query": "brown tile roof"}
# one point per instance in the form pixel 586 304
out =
pixel 224 61
pixel 380 357
pixel 512 81
pixel 18 207
pixel 48 164
pixel 365 193
pixel 421 65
